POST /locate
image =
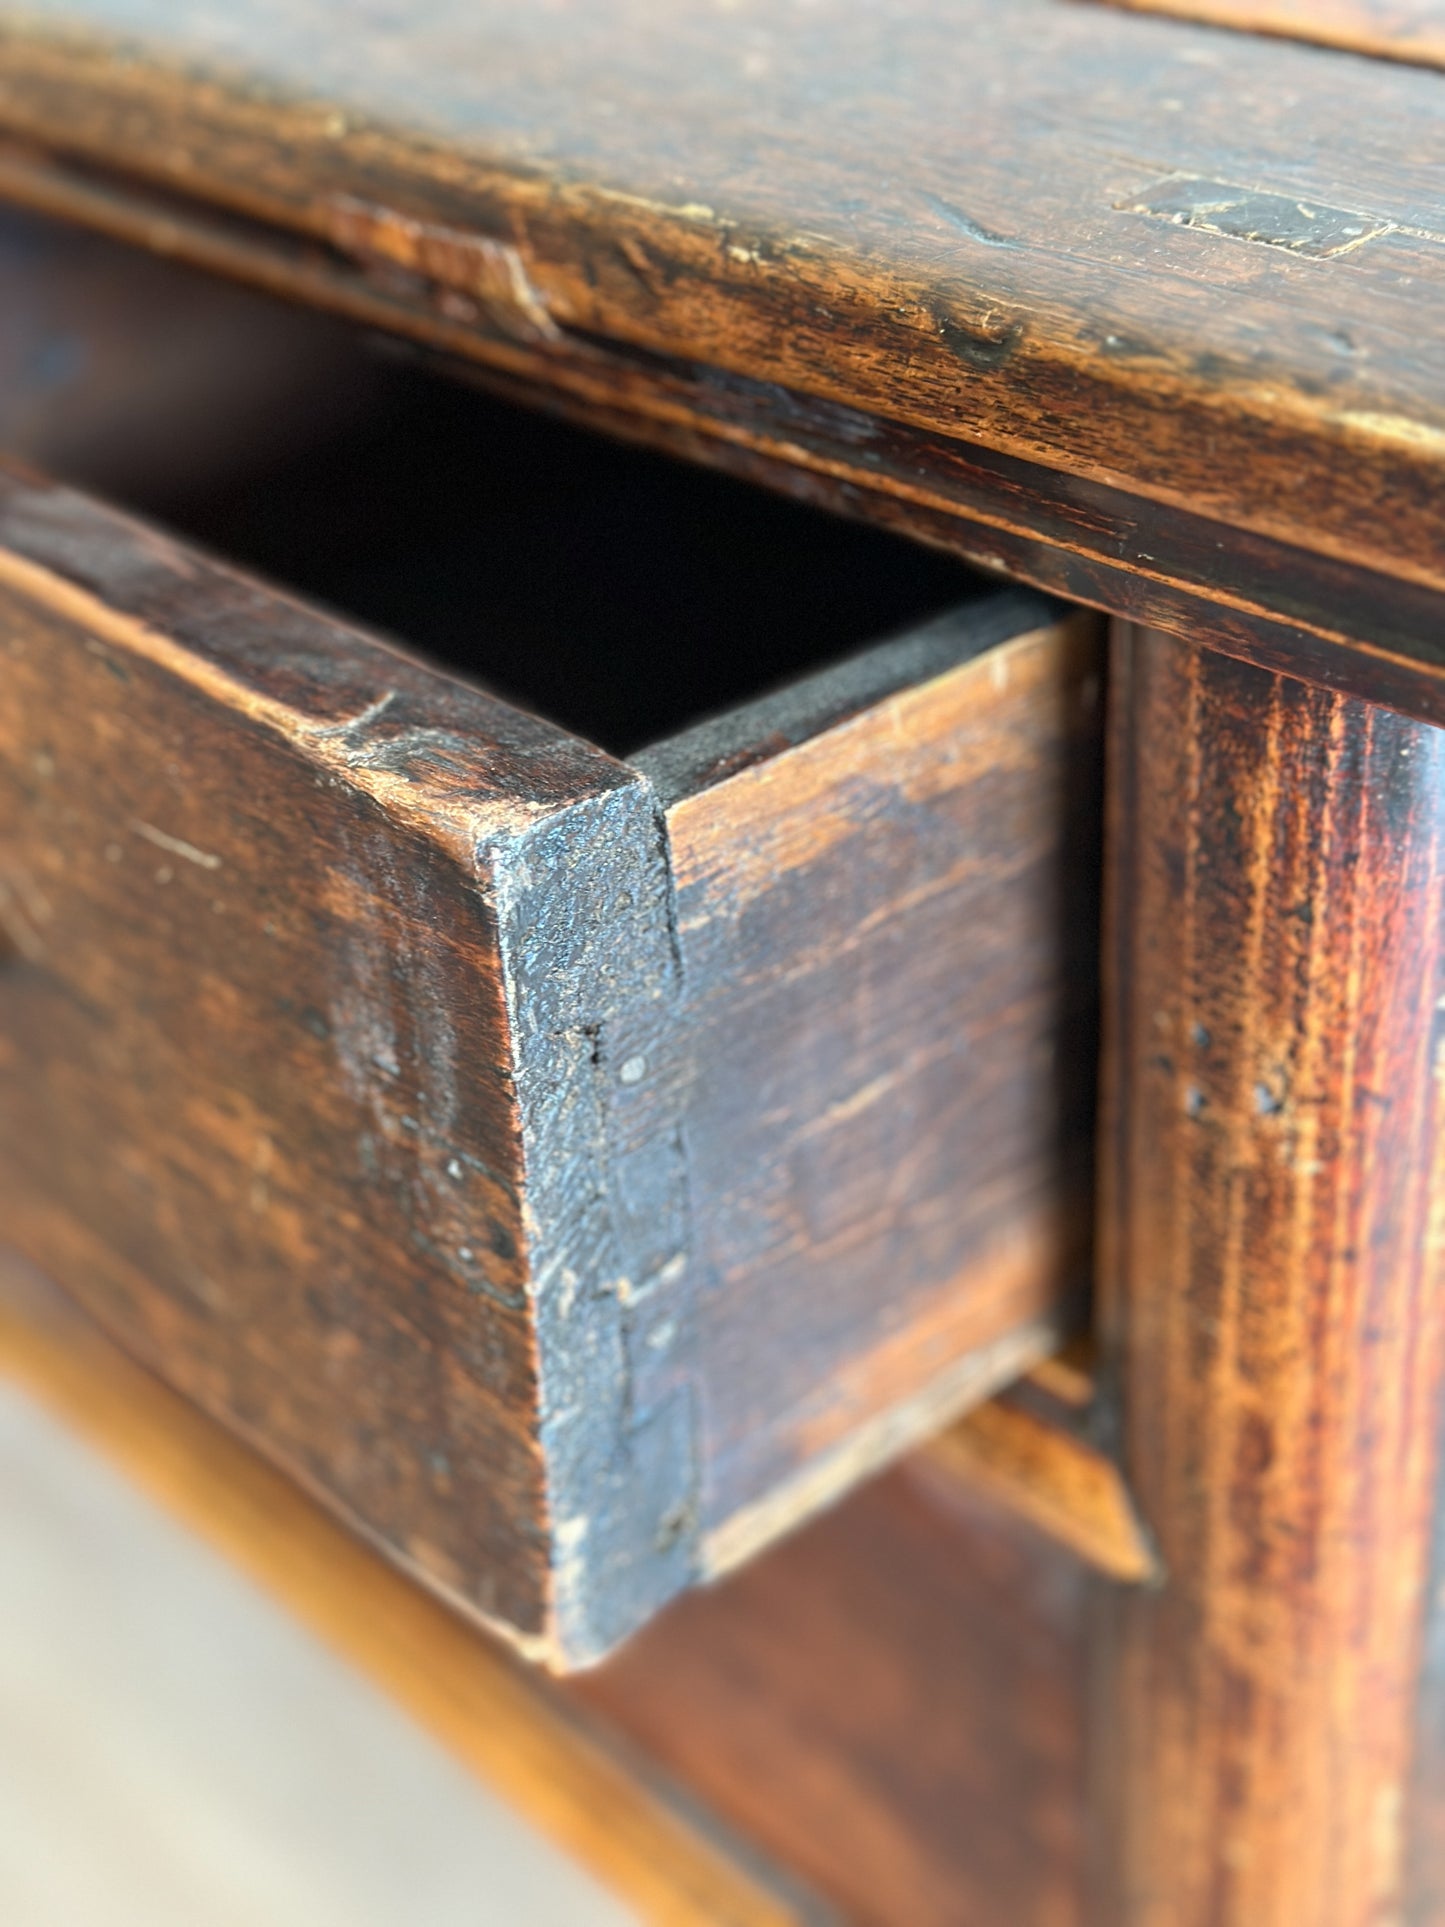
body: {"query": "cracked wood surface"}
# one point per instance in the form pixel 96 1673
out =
pixel 727 228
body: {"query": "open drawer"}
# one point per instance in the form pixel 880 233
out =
pixel 574 1166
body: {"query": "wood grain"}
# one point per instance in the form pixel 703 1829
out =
pixel 1410 30
pixel 596 1796
pixel 268 1075
pixel 1275 603
pixel 1272 1317
pixel 887 932
pixel 1015 229
pixel 513 1163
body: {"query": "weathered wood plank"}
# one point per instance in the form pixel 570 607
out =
pixel 1343 626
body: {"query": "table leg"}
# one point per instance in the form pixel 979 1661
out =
pixel 1273 1307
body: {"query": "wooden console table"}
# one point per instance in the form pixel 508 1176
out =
pixel 579 1150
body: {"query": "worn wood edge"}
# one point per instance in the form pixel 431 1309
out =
pixel 585 1789
pixel 879 1441
pixel 1281 606
pixel 1344 29
pixel 529 298
pixel 587 925
pixel 46 530
pixel 1343 627
pixel 715 749
pixel 1053 1476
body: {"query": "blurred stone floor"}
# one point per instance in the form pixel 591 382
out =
pixel 175 1752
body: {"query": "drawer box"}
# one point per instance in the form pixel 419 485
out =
pixel 574 1168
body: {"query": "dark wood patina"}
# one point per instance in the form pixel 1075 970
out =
pixel 1136 310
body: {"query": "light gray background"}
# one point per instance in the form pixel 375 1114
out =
pixel 175 1752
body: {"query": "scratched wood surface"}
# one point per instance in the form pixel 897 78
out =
pixel 1119 252
pixel 1272 1292
pixel 1410 30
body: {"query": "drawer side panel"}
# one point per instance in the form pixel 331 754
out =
pixel 888 937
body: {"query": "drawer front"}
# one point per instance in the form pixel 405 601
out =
pixel 571 1176
pixel 260 1105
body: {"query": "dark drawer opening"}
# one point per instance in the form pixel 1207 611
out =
pixel 616 591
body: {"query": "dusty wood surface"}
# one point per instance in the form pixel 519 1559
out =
pixel 1409 30
pixel 1084 244
pixel 589 1790
pixel 1272 1317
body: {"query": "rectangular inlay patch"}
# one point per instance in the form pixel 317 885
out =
pixel 1275 220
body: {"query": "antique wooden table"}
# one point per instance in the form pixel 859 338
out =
pixel 576 1150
